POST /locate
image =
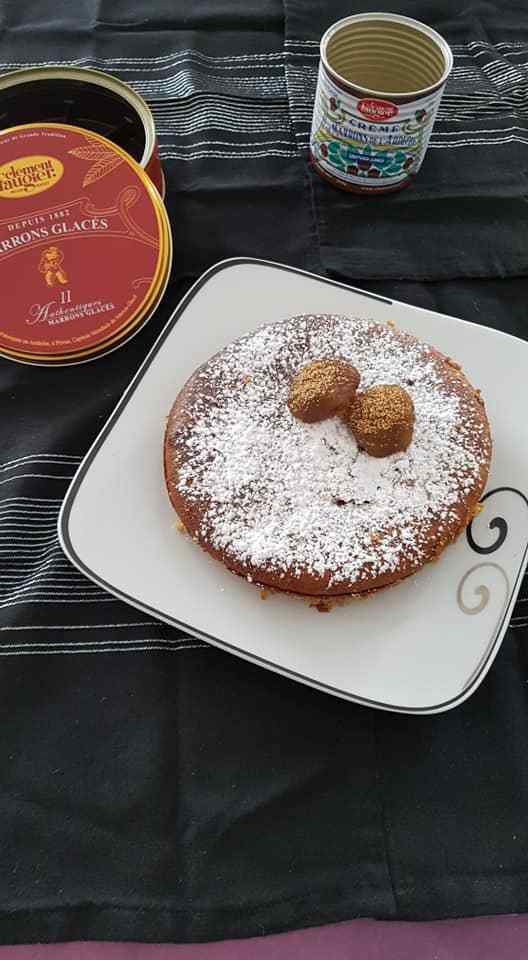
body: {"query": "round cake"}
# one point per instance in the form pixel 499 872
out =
pixel 301 506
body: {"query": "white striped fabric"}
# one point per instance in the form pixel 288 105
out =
pixel 264 100
pixel 35 574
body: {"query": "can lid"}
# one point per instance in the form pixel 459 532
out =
pixel 85 244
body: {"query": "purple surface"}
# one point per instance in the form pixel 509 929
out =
pixel 484 938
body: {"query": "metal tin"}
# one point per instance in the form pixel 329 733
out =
pixel 381 78
pixel 84 98
pixel 85 244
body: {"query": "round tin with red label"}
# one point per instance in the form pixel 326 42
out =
pixel 381 78
pixel 85 244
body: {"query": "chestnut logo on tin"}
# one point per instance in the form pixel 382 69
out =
pixel 377 110
pixel 29 175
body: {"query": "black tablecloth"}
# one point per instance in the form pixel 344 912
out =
pixel 152 787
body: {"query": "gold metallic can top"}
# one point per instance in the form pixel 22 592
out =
pixel 386 55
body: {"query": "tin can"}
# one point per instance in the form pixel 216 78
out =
pixel 381 79
pixel 84 98
pixel 85 245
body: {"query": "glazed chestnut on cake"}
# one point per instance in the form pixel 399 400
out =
pixel 322 388
pixel 382 419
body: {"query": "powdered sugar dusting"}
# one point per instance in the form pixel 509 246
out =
pixel 289 497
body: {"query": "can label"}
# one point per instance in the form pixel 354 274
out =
pixel 82 243
pixel 378 110
pixel 369 142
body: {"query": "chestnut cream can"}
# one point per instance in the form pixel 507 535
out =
pixel 381 79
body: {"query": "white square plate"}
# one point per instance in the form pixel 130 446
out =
pixel 421 647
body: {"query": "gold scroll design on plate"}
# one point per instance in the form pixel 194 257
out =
pixel 487 585
pixel 503 527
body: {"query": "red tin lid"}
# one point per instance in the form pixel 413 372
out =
pixel 84 243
